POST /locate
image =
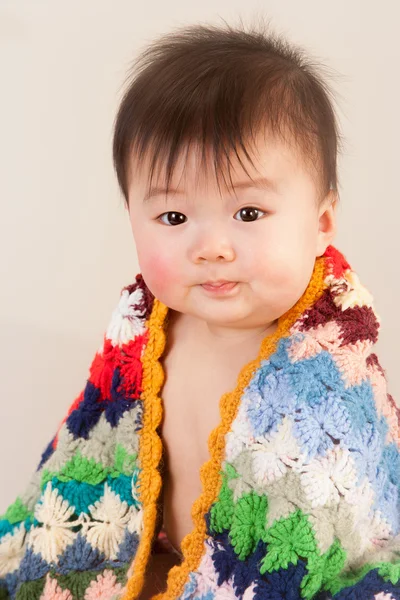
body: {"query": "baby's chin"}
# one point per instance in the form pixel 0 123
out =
pixel 239 316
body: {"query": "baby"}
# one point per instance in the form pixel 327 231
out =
pixel 235 437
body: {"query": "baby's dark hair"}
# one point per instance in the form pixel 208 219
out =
pixel 218 86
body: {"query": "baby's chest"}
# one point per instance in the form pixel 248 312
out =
pixel 191 411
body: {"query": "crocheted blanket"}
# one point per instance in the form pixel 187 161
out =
pixel 300 495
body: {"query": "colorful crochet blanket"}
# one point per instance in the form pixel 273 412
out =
pixel 300 495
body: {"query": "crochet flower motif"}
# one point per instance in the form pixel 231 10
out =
pixel 366 447
pixel 104 587
pixel 309 343
pixel 272 455
pixel 316 427
pixel 52 590
pixel 352 521
pixel 55 533
pixel 322 569
pixel 312 378
pixel 348 291
pixel 325 479
pixel 351 361
pixel 12 550
pixel 248 523
pixel 207 577
pixel 286 495
pixel 270 398
pixel 240 434
pixel 100 444
pixel 125 433
pixel 126 323
pixel 287 541
pixel 110 518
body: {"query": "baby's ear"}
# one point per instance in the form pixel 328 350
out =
pixel 326 222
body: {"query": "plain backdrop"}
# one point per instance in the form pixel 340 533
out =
pixel 66 246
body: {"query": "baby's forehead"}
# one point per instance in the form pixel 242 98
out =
pixel 269 161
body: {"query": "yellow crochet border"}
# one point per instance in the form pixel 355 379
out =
pixel 150 449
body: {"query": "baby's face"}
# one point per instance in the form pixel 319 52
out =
pixel 213 235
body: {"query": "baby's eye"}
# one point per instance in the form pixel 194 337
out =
pixel 176 216
pixel 248 213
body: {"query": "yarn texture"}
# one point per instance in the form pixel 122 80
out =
pixel 300 495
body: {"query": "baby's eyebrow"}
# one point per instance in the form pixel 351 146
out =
pixel 261 183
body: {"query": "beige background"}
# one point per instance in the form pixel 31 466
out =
pixel 65 241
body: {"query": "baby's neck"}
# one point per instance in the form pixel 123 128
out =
pixel 220 338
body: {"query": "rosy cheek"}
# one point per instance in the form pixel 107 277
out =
pixel 159 273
